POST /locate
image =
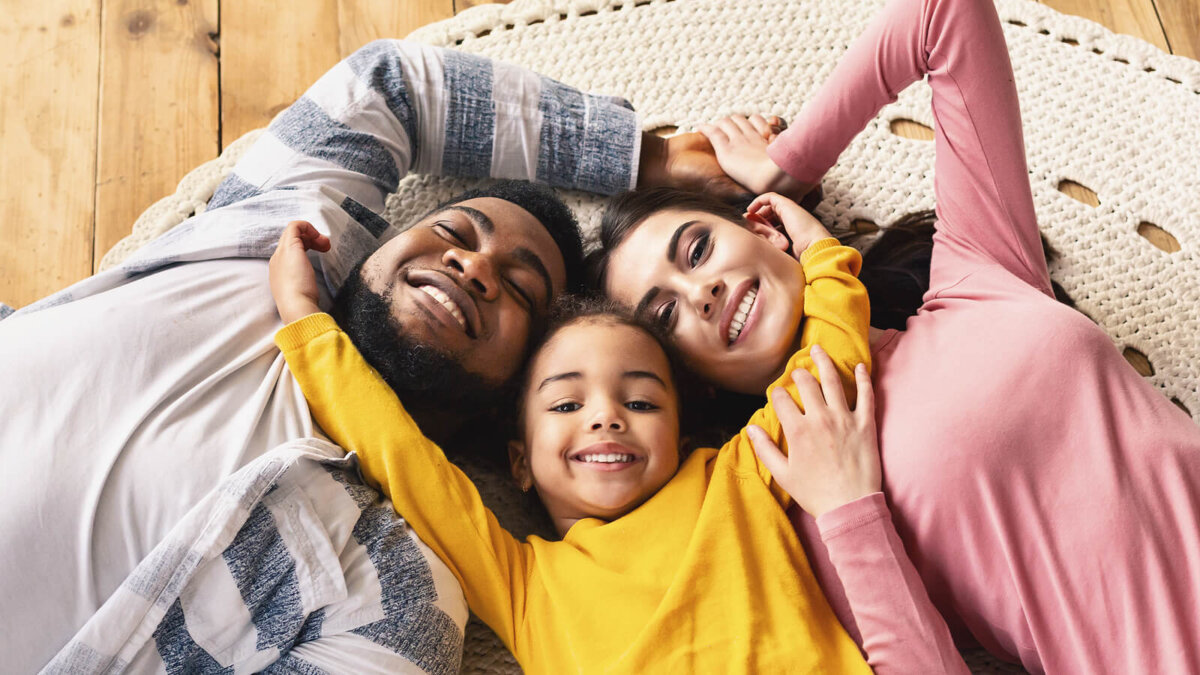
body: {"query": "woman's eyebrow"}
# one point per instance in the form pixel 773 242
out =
pixel 673 245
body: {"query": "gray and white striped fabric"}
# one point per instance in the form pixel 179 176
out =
pixel 289 565
pixel 334 156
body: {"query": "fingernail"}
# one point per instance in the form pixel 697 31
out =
pixel 817 349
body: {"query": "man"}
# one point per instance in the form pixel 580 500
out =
pixel 130 395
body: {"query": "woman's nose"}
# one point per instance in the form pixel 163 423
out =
pixel 705 298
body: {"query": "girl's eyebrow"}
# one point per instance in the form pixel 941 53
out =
pixel 644 375
pixel 574 375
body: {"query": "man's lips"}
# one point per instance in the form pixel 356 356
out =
pixel 605 456
pixel 733 302
pixel 438 284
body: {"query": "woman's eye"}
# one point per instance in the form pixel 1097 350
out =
pixel 570 406
pixel 641 406
pixel 665 314
pixel 699 248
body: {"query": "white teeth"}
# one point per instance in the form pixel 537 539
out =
pixel 610 458
pixel 739 317
pixel 445 301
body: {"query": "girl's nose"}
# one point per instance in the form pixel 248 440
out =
pixel 608 419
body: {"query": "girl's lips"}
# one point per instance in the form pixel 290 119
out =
pixel 606 456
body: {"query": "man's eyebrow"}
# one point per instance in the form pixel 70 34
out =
pixel 644 375
pixel 479 218
pixel 646 300
pixel 573 375
pixel 530 258
pixel 673 245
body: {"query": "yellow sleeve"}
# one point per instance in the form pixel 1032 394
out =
pixel 837 316
pixel 360 412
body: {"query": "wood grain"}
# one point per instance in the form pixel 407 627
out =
pixel 1181 19
pixel 270 53
pixel 158 105
pixel 48 152
pixel 1132 17
pixel 361 21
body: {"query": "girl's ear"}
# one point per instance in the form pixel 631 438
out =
pixel 765 230
pixel 519 463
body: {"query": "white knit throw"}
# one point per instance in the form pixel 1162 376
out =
pixel 1107 111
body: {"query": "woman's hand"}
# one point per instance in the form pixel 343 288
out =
pixel 779 212
pixel 833 453
pixel 293 280
pixel 741 146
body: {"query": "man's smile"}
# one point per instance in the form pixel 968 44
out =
pixel 445 299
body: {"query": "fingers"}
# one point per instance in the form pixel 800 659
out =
pixel 864 408
pixel 831 382
pixel 809 392
pixel 764 127
pixel 715 135
pixel 768 452
pixel 308 235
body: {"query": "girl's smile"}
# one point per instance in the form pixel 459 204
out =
pixel 600 422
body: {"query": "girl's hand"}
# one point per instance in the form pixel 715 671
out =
pixel 741 146
pixel 293 280
pixel 779 212
pixel 833 454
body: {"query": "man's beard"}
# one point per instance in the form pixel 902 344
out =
pixel 423 376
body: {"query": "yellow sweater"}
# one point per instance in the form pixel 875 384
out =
pixel 707 576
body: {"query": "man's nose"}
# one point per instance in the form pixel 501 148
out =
pixel 474 270
pixel 704 298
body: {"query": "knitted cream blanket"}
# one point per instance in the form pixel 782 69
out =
pixel 1108 112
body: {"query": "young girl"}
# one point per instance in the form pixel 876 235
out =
pixel 664 564
pixel 1046 491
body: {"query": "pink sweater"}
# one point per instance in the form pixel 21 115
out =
pixel 1049 497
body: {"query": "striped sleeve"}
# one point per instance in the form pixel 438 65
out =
pixel 394 106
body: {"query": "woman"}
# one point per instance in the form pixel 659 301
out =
pixel 1047 494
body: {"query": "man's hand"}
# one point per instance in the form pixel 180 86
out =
pixel 740 144
pixel 293 280
pixel 781 213
pixel 690 162
pixel 833 453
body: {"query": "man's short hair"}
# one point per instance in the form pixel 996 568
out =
pixel 551 212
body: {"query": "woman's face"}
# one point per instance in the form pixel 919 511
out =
pixel 728 294
pixel 601 421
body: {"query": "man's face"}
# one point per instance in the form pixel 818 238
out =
pixel 472 281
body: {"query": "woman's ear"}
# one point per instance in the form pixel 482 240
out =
pixel 762 228
pixel 519 463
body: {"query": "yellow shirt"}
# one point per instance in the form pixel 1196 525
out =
pixel 707 576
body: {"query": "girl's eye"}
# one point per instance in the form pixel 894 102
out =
pixel 567 407
pixel 699 249
pixel 665 313
pixel 641 406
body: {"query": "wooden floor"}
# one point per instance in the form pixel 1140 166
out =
pixel 107 103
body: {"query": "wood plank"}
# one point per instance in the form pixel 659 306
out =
pixel 270 53
pixel 460 5
pixel 158 105
pixel 1181 19
pixel 48 75
pixel 361 21
pixel 1132 17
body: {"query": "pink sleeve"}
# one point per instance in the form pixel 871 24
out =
pixel 984 202
pixel 901 631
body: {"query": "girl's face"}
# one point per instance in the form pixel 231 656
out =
pixel 601 422
pixel 728 294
